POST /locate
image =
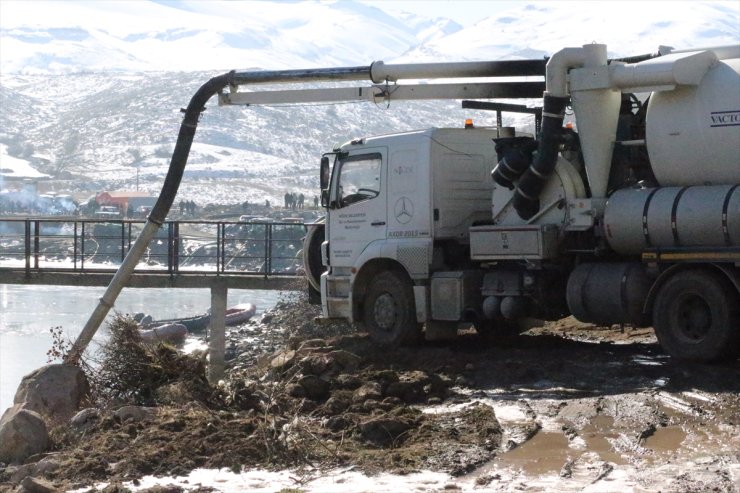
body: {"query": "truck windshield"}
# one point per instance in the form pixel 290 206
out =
pixel 359 178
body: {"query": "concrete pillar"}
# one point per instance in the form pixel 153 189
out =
pixel 217 332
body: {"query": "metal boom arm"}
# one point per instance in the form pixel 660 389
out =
pixel 382 75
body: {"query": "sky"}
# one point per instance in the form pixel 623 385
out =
pixel 464 12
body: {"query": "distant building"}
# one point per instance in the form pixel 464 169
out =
pixel 124 200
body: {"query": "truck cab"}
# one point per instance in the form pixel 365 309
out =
pixel 398 207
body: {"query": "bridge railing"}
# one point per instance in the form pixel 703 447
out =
pixel 99 245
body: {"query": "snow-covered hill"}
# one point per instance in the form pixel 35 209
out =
pixel 91 99
pixel 64 37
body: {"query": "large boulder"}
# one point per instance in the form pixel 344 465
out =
pixel 54 391
pixel 23 433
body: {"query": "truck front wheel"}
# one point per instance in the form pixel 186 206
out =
pixel 389 313
pixel 696 316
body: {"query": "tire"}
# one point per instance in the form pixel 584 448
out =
pixel 696 317
pixel 389 311
pixel 312 255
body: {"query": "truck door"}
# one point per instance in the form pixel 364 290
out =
pixel 358 205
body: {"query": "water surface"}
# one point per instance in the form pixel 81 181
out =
pixel 27 313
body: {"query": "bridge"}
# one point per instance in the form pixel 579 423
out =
pixel 183 254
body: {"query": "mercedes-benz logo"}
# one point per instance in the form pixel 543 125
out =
pixel 404 210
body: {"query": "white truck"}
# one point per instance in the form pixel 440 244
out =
pixel 629 214
pixel 633 218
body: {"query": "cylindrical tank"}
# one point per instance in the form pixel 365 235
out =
pixel 608 294
pixel 637 219
pixel 693 132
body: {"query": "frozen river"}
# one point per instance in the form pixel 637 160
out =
pixel 27 313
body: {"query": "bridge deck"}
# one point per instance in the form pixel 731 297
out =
pixel 184 254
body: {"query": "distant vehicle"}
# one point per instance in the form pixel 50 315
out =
pixel 255 219
pixel 107 212
pixel 143 210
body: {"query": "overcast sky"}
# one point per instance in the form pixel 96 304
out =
pixel 468 12
pixel 464 12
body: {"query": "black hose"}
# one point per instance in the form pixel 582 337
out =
pixel 527 196
pixel 183 144
pixel 514 156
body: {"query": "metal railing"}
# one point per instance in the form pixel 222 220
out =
pixel 100 245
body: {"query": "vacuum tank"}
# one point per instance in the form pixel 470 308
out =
pixel 693 132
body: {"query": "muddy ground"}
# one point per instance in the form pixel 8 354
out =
pixel 561 407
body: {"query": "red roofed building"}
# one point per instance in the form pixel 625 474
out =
pixel 124 200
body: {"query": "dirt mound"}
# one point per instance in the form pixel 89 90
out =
pixel 563 405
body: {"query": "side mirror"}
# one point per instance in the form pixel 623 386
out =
pixel 324 173
pixel 325 197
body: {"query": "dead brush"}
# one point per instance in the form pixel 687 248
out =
pixel 132 371
pixel 286 432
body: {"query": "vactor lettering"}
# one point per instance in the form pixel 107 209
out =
pixel 725 118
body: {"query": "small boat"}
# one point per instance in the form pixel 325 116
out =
pixel 198 323
pixel 174 333
pixel 238 314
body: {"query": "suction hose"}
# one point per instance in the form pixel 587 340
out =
pixel 156 217
pixel 526 198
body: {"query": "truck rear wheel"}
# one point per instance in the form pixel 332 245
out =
pixel 389 313
pixel 696 316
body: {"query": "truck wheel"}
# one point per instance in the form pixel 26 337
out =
pixel 389 313
pixel 697 317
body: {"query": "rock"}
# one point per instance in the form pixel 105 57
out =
pixel 54 391
pixel 384 430
pixel 312 344
pixel 85 416
pixel 315 364
pixel 392 401
pixel 417 386
pixel 338 423
pixel 283 361
pixel 295 390
pixel 20 473
pixel 371 405
pixel 135 413
pixel 348 381
pixel 315 387
pixel 43 467
pixel 410 387
pixel 336 405
pixel 37 485
pixel 23 433
pixel 370 390
pixel 345 359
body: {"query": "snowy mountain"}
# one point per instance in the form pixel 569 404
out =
pixel 91 93
pixel 627 28
pixel 65 37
